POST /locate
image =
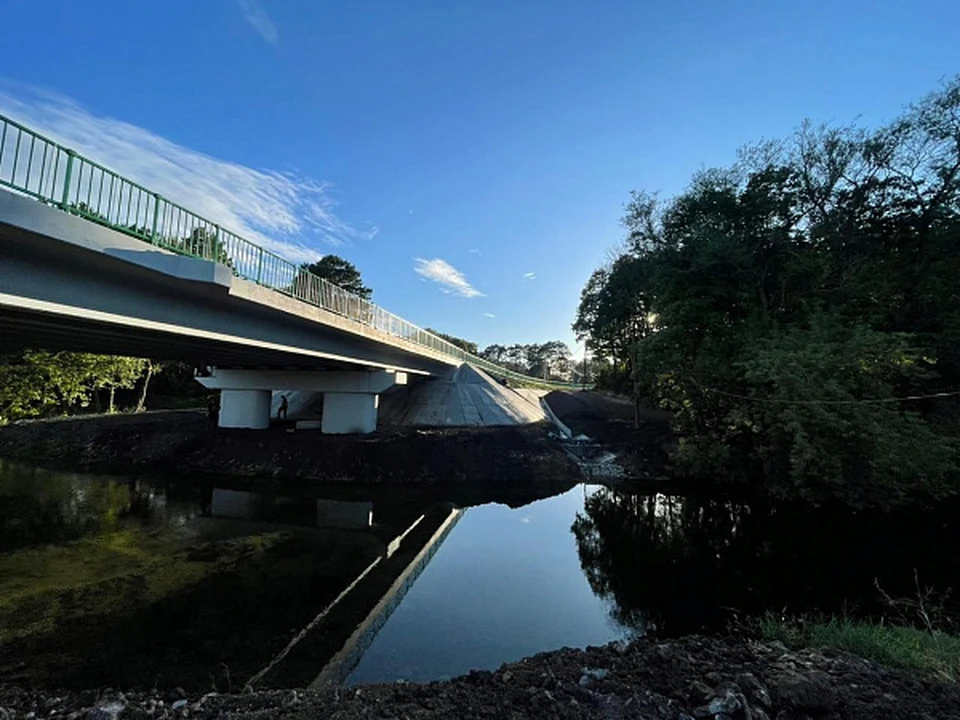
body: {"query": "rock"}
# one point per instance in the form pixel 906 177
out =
pixel 778 646
pixel 701 691
pixel 592 674
pixel 178 705
pixel 108 710
pixel 727 704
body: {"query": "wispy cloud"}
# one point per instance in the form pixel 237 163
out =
pixel 530 276
pixel 446 275
pixel 489 315
pixel 258 18
pixel 283 211
pixel 476 251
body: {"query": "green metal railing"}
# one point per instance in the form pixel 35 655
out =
pixel 33 165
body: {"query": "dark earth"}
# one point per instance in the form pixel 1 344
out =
pixel 185 441
pixel 638 435
pixel 695 677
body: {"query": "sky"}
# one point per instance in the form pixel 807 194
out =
pixel 471 158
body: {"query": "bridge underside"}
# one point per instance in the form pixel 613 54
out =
pixel 69 284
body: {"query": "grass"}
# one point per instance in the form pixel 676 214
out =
pixel 899 646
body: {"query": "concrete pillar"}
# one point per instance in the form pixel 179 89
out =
pixel 345 413
pixel 245 409
pixel 350 398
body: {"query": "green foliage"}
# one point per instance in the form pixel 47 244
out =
pixel 780 308
pixel 470 347
pixel 898 646
pixel 340 272
pixel 37 383
pixel 549 360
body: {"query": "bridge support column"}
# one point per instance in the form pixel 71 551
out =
pixel 345 413
pixel 245 409
pixel 350 398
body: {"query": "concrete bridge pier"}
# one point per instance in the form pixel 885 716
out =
pixel 245 409
pixel 350 398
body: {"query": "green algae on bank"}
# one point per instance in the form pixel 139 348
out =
pixel 114 574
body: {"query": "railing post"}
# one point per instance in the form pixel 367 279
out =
pixel 216 243
pixel 260 266
pixel 67 178
pixel 156 218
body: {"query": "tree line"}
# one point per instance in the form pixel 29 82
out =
pixel 799 311
pixel 550 360
pixel 36 383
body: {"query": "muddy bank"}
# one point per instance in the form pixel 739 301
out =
pixel 185 442
pixel 693 677
pixel 638 437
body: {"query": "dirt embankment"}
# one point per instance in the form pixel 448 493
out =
pixel 639 436
pixel 689 678
pixel 185 441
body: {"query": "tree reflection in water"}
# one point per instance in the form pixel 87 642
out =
pixel 676 565
pixel 39 506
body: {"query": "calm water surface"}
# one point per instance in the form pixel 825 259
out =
pixel 505 584
pixel 134 581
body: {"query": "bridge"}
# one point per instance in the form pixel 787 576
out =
pixel 93 261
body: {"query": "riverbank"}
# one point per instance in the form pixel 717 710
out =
pixel 639 436
pixel 693 677
pixel 519 458
pixel 185 441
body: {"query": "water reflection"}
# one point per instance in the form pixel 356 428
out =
pixel 679 565
pixel 39 506
pixel 504 585
pixel 321 513
pixel 134 581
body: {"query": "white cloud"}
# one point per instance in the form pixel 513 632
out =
pixel 258 18
pixel 476 251
pixel 530 276
pixel 282 211
pixel 447 276
pixel 489 315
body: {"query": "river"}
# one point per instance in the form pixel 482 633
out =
pixel 191 582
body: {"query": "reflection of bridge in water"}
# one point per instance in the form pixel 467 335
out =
pixel 327 649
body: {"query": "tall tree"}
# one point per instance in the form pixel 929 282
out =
pixel 791 308
pixel 340 272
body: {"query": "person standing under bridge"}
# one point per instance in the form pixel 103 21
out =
pixel 282 410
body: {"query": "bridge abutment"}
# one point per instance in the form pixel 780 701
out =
pixel 351 399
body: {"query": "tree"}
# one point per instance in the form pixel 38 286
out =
pixel 150 369
pixel 470 347
pixel 547 360
pixel 341 273
pixel 789 308
pixel 37 383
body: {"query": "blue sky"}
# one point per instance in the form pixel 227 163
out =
pixel 471 158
